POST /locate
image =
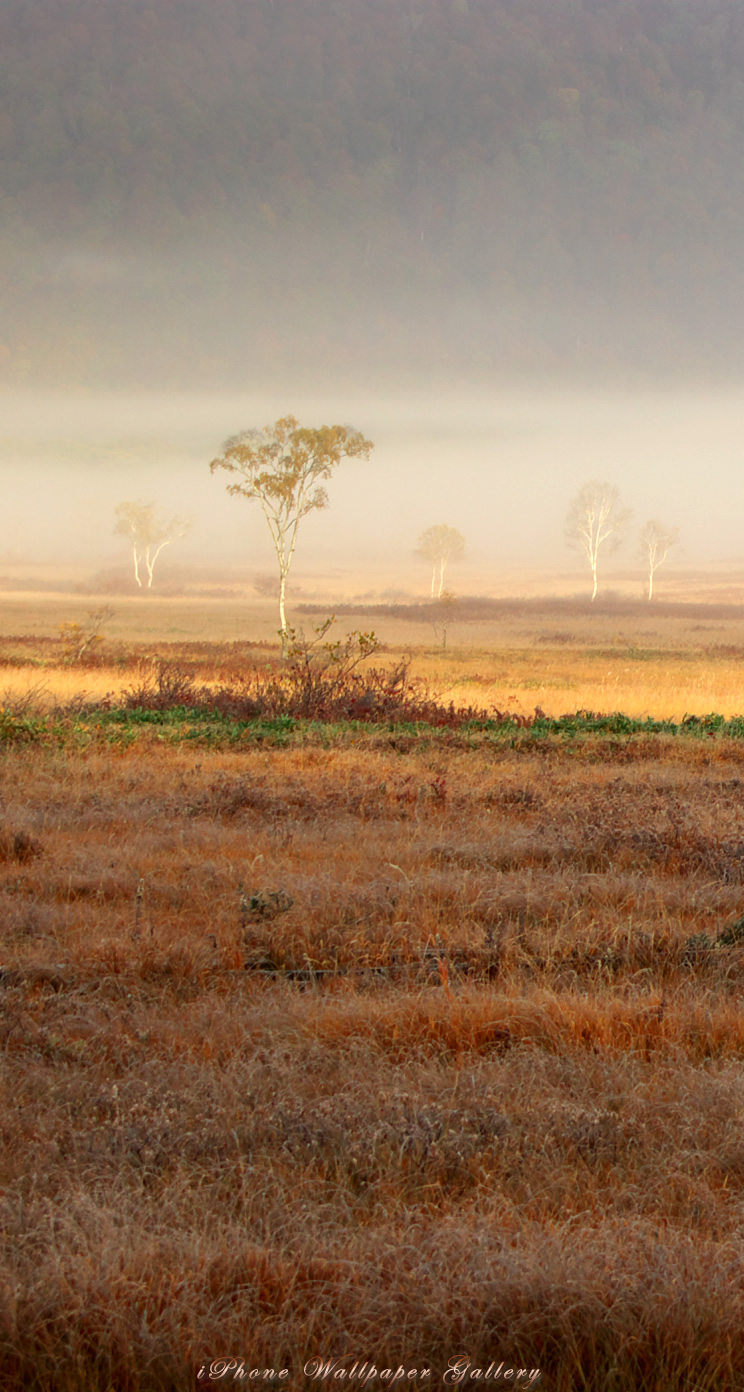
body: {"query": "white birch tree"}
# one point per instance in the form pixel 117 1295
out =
pixel 282 467
pixel 595 520
pixel 148 534
pixel 656 541
pixel 438 545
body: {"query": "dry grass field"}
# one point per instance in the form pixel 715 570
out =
pixel 375 1040
pixel 562 654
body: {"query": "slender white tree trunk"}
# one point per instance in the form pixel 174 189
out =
pixel 151 562
pixel 284 536
pixel 282 609
pixel 442 564
pixel 136 565
pixel 433 579
pixel 594 573
pixel 650 582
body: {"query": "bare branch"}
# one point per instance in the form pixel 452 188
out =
pixel 654 545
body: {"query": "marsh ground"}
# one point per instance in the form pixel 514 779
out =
pixel 401 1042
pixel 562 654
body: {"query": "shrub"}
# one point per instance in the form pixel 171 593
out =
pixel 320 679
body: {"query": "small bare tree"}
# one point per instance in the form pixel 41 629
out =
pixel 282 467
pixel 81 640
pixel 148 533
pixel 438 545
pixel 446 612
pixel 655 543
pixel 596 519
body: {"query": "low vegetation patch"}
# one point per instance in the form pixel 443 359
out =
pixel 324 687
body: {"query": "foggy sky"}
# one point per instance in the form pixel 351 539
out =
pixel 503 240
pixel 501 467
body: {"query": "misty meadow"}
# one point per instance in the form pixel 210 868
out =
pixel 371 694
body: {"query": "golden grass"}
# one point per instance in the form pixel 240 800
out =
pixel 518 681
pixel 661 687
pixel 405 1047
pixel 475 1090
pixel 664 662
pixel 60 685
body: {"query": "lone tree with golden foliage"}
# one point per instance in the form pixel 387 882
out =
pixel 655 543
pixel 596 519
pixel 283 467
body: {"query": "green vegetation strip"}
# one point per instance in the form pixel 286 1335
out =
pixel 179 724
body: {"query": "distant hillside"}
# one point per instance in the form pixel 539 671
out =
pixel 197 191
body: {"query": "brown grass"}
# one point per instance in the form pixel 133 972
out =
pixel 398 1048
pixel 560 655
pixel 404 1047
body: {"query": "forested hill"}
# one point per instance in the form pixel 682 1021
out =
pixel 203 189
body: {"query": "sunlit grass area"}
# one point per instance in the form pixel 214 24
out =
pixel 332 1021
pixel 559 655
pixel 637 682
pixel 640 684
pixel 46 687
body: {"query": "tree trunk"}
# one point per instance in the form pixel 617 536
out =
pixel 594 573
pixel 650 582
pixel 282 610
pixel 136 566
pixel 441 578
pixel 433 579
